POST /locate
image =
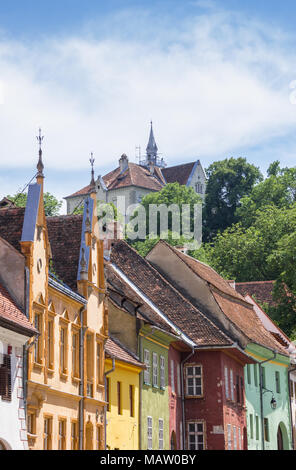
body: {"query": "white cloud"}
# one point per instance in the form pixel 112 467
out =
pixel 217 84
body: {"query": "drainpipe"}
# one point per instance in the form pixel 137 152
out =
pixel 291 419
pixel 261 396
pixel 183 395
pixel 105 421
pixel 81 385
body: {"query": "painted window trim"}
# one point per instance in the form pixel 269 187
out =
pixel 186 377
pixel 196 422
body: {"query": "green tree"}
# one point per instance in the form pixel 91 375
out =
pixel 171 194
pixel 279 189
pixel 51 204
pixel 229 181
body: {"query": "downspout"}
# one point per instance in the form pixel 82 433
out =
pixel 291 419
pixel 105 420
pixel 183 396
pixel 81 385
pixel 261 396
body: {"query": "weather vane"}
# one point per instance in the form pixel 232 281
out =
pixel 92 161
pixel 40 138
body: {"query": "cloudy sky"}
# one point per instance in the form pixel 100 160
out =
pixel 215 77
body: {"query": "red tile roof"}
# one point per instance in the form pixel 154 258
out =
pixel 178 174
pixel 11 225
pixel 12 314
pixel 177 308
pixel 113 348
pixel 232 304
pixel 260 291
pixel 82 192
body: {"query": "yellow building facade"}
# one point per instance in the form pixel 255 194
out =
pixel 122 369
pixel 65 399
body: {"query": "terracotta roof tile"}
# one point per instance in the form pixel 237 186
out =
pixel 114 348
pixel 11 225
pixel 10 312
pixel 135 175
pixel 178 310
pixel 178 174
pixel 82 192
pixel 261 291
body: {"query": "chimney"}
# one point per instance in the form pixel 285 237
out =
pixel 123 163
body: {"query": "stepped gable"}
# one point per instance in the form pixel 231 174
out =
pixel 177 309
pixel 64 234
pixel 178 174
pixel 261 291
pixel 12 317
pixel 114 348
pixel 11 225
pixel 233 305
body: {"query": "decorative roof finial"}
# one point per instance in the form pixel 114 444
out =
pixel 40 165
pixel 92 161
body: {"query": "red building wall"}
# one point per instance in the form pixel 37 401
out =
pixel 212 408
pixel 175 400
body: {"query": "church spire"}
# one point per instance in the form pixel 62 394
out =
pixel 40 165
pixel 151 149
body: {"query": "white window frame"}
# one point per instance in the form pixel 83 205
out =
pixel 229 437
pixel 162 372
pixel 231 385
pixel 155 369
pixel 172 376
pixel 195 377
pixel 148 366
pixel 181 435
pixel 226 382
pixel 234 438
pixel 160 434
pixel 179 379
pixel 239 439
pixel 196 434
pixel 149 433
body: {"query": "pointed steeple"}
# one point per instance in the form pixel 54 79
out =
pixel 92 183
pixel 151 149
pixel 40 165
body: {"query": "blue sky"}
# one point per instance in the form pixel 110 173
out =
pixel 213 75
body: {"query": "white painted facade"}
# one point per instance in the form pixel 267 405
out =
pixel 13 426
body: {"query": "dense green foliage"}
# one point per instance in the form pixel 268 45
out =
pixel 51 204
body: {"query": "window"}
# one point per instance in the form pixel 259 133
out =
pixel 119 404
pixel 257 428
pixel 155 370
pixel 90 364
pixel 242 390
pixel 108 394
pixel 249 374
pixel 160 434
pixel 132 400
pixel 147 364
pixel 199 188
pixel 226 382
pixel 62 434
pixel 162 372
pixel 149 433
pixel 63 349
pixel 277 382
pixel 74 435
pixel 31 422
pixel 194 381
pixel 99 438
pixel 50 343
pixel 5 377
pixel 172 376
pixel 266 429
pixel 229 441
pixel 75 354
pixel 255 375
pixel 251 427
pixel 234 438
pixel 38 344
pixel 179 379
pixel 239 439
pixel 231 385
pixel 99 378
pixel 181 435
pixel 196 439
pixel 238 397
pixel 47 435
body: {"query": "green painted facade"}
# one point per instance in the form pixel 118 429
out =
pixel 274 380
pixel 154 399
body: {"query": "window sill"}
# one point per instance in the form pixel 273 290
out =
pixel 38 365
pixel 50 370
pixel 76 379
pixel 64 375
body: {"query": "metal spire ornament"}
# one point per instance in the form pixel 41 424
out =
pixel 40 165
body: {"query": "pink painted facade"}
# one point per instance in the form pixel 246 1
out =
pixel 216 419
pixel 175 398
